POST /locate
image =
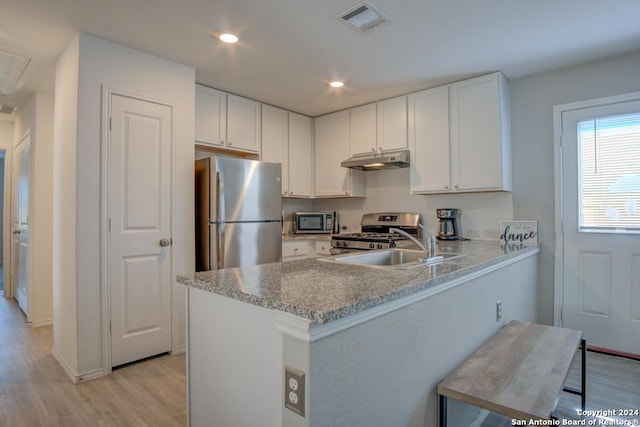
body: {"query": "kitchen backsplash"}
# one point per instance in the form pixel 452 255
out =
pixel 388 190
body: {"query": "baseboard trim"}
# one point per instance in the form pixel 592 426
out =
pixel 71 373
pixel 613 352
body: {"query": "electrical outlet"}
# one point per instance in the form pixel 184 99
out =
pixel 498 311
pixel 294 390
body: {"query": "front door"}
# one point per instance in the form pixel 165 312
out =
pixel 139 199
pixel 601 224
pixel 20 222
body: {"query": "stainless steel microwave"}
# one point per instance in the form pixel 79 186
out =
pixel 312 222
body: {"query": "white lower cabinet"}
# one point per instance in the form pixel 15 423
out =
pixel 323 248
pixel 295 249
pixel 459 137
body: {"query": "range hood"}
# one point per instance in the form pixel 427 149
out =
pixel 394 160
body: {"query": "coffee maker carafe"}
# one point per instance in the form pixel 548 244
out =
pixel 448 226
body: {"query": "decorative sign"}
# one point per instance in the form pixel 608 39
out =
pixel 519 231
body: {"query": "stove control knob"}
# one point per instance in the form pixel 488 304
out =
pixel 379 245
pixel 338 243
pixel 344 244
pixel 371 245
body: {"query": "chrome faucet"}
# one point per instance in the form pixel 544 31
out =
pixel 430 250
pixel 432 239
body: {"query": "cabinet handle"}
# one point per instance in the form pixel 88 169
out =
pixel 373 149
pixel 229 143
pixel 455 186
pixel 446 187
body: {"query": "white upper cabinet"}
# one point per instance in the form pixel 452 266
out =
pixel 392 124
pixel 462 145
pixel 363 136
pixel 379 127
pixel 227 121
pixel 300 156
pixel 211 116
pixel 275 140
pixel 331 148
pixel 480 134
pixel 429 140
pixel 243 124
pixel 286 139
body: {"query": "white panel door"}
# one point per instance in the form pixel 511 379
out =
pixel 20 222
pixel 140 228
pixel 601 263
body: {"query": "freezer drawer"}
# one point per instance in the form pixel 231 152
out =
pixel 236 245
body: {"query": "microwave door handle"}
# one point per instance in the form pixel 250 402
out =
pixel 220 202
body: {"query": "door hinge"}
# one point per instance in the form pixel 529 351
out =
pixel 562 314
pixel 109 123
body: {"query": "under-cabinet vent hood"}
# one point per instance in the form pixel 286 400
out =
pixel 395 160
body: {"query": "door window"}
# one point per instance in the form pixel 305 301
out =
pixel 609 173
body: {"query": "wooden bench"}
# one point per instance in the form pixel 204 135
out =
pixel 519 373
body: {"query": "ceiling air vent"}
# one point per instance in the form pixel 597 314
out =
pixel 363 17
pixel 14 68
pixel 7 109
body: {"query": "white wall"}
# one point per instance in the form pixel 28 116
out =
pixel 6 142
pixel 388 190
pixel 65 337
pixel 37 116
pixel 99 63
pixel 532 101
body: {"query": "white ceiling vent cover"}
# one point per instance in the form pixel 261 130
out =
pixel 14 68
pixel 363 17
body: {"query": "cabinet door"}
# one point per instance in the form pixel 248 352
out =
pixel 331 148
pixel 275 131
pixel 211 116
pixel 295 249
pixel 479 142
pixel 429 140
pixel 363 137
pixel 243 124
pixel 300 159
pixel 392 124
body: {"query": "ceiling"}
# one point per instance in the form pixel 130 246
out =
pixel 289 50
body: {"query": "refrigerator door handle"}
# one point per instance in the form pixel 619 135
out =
pixel 221 218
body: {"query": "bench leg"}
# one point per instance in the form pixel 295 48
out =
pixel 442 411
pixel 583 374
pixel 583 396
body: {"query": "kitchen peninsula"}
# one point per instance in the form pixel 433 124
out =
pixel 371 342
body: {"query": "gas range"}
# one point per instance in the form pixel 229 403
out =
pixel 375 232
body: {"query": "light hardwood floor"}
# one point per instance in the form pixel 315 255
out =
pixel 613 384
pixel 34 390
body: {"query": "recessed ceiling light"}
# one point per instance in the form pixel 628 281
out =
pixel 336 84
pixel 228 38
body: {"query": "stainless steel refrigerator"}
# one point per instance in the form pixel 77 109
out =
pixel 238 213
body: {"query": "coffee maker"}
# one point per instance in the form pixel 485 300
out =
pixel 448 226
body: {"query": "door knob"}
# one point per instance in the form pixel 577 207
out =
pixel 165 242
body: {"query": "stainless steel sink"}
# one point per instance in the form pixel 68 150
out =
pixel 400 259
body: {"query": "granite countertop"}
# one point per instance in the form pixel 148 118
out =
pixel 323 291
